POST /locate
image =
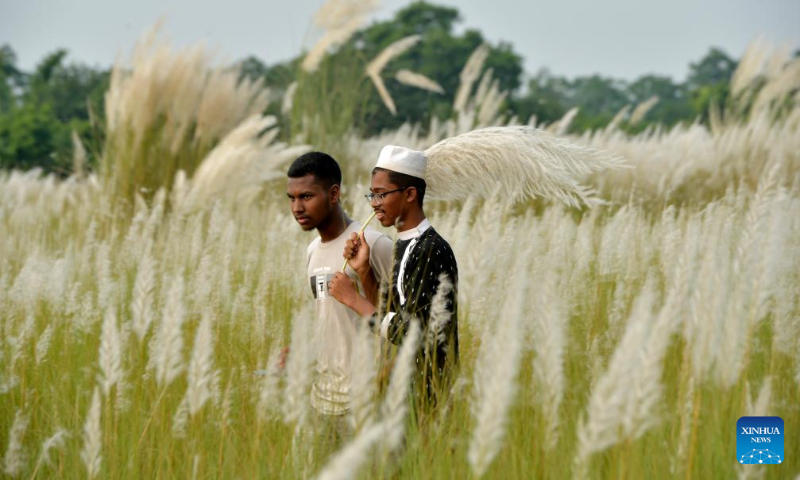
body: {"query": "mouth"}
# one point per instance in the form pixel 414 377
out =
pixel 379 214
pixel 303 220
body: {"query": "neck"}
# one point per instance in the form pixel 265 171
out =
pixel 411 220
pixel 336 223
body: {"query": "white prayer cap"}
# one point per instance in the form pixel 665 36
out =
pixel 403 160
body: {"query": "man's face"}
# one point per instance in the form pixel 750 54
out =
pixel 311 203
pixel 390 209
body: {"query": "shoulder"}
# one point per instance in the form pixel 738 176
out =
pixel 313 246
pixel 433 238
pixel 373 236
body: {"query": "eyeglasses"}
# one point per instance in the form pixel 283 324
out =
pixel 378 197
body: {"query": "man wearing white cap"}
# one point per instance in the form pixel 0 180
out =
pixel 425 273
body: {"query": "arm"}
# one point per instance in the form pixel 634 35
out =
pixel 358 255
pixel 343 289
pixel 431 262
pixel 370 284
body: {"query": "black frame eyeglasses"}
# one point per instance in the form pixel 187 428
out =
pixel 379 197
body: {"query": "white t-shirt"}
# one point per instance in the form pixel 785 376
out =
pixel 336 323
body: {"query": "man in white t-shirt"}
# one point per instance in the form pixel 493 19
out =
pixel 313 190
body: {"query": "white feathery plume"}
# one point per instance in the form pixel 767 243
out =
pixel 227 405
pixel 550 336
pixel 15 456
pixel 363 370
pixel 391 52
pixel 760 408
pixel 383 92
pixel 288 98
pixel 561 126
pixel 686 410
pixel 395 406
pixel 519 160
pixel 269 389
pixel 440 314
pixel 641 110
pixel 346 462
pixel 622 401
pixel 341 19
pixel 240 164
pixel 180 419
pixel 142 301
pixel 618 118
pixel 43 344
pixel 484 86
pixel 110 353
pixel 471 71
pixel 413 79
pixel 168 356
pixel 106 286
pixel 329 40
pixel 56 441
pixel 298 368
pixel 784 83
pixel 376 66
pixel 201 366
pixel 750 66
pixel 490 105
pixel 495 380
pixel 78 156
pixel 92 438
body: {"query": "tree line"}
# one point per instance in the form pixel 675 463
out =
pixel 40 110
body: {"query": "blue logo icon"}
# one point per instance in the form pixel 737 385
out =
pixel 759 440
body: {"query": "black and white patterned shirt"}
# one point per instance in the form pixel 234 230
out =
pixel 421 255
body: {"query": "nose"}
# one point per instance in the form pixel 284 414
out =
pixel 297 207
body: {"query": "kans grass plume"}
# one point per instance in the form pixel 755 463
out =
pixel 15 457
pixel 470 73
pixel 168 354
pixel 201 366
pixel 520 161
pixel 92 438
pixel 395 406
pixel 376 66
pixel 340 19
pixel 165 110
pixel 496 381
pixel 407 77
pixel 641 110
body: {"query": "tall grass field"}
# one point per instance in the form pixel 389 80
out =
pixel 144 305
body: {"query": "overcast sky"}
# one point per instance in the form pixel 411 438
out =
pixel 620 38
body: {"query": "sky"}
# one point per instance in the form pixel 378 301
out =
pixel 618 38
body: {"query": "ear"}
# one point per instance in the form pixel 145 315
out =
pixel 411 197
pixel 334 193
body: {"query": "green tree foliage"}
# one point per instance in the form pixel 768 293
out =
pixel 708 81
pixel 39 111
pixel 672 106
pixel 440 55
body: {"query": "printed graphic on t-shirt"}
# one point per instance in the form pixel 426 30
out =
pixel 320 282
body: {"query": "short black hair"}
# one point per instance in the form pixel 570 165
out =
pixel 324 168
pixel 404 181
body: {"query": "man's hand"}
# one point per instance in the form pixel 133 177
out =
pixel 356 251
pixel 343 289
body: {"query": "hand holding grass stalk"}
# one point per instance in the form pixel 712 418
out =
pixel 363 227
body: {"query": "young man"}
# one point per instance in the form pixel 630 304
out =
pixel 422 259
pixel 313 191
